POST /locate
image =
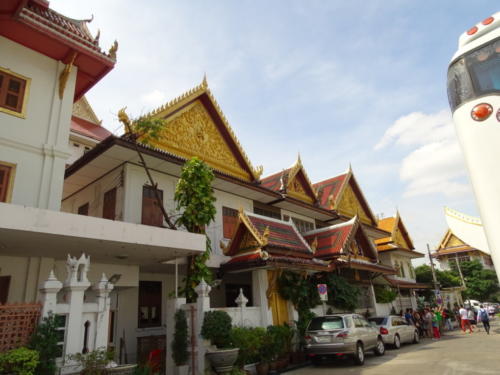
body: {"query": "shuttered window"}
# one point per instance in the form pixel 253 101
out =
pixel 109 205
pixel 149 304
pixel 151 212
pixel 12 90
pixel 229 220
pixel 83 209
pixel 5 174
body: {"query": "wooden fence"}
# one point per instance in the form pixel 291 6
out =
pixel 17 323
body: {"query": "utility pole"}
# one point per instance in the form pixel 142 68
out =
pixel 460 270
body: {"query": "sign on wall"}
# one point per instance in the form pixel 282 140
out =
pixel 323 292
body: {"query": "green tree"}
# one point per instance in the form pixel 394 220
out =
pixel 44 341
pixel 194 197
pixel 481 284
pixel 446 279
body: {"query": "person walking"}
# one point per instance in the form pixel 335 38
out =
pixel 428 322
pixel 482 315
pixel 435 325
pixel 439 318
pixel 464 319
pixel 447 320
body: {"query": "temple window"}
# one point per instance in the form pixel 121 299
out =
pixel 151 211
pixel 149 304
pixel 109 205
pixel 402 269
pixel 229 220
pixel 13 89
pixel 6 181
pixel 83 209
pixel 301 225
pixel 265 210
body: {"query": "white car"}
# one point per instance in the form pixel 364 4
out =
pixel 395 330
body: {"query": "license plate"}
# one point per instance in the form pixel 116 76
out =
pixel 323 339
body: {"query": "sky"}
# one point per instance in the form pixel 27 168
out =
pixel 360 83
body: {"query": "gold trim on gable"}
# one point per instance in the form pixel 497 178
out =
pixel 192 132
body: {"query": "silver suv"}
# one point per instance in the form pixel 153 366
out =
pixel 342 334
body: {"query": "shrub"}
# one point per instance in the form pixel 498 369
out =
pixel 249 341
pixel 180 353
pixel 384 294
pixel 94 362
pixel 44 341
pixel 217 328
pixel 20 361
pixel 282 338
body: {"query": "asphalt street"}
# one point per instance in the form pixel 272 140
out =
pixel 455 354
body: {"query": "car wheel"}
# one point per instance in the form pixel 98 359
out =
pixel 397 342
pixel 380 347
pixel 416 337
pixel 359 356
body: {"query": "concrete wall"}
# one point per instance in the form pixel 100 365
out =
pixel 94 195
pixel 390 259
pixel 38 143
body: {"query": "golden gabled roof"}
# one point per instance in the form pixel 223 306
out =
pixel 391 225
pixel 189 96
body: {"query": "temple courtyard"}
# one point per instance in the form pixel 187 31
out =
pixel 455 354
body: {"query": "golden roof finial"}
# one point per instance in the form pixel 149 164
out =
pixel 204 83
pixel 266 233
pixel 314 245
pixel 113 49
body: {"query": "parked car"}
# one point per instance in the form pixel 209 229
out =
pixel 342 334
pixel 395 330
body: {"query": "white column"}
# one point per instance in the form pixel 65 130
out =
pixel 102 288
pixel 202 305
pixel 48 294
pixel 259 289
pixel 173 305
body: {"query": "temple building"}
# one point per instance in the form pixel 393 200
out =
pixel 397 250
pixel 463 241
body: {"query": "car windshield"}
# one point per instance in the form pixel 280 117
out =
pixel 380 321
pixel 476 73
pixel 326 323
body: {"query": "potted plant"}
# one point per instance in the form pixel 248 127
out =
pixel 217 328
pixel 99 362
pixel 249 341
pixel 267 354
pixel 180 353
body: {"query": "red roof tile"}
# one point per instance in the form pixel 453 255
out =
pixel 274 181
pixel 330 187
pixel 88 129
pixel 282 234
pixel 330 240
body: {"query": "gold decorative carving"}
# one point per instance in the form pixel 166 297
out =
pixel 248 242
pixel 82 109
pixel 314 245
pixel 254 231
pixel 296 190
pixel 112 51
pixel 350 206
pixel 63 77
pixel 400 240
pixel 454 241
pixel 258 171
pixel 193 133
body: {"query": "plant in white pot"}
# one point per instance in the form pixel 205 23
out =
pixel 180 353
pixel 217 328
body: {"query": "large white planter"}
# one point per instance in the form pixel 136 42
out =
pixel 223 360
pixel 251 368
pixel 182 370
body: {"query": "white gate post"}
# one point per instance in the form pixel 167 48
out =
pixel 102 288
pixel 202 305
pixel 48 294
pixel 241 301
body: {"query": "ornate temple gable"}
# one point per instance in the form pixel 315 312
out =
pixel 328 190
pixel 450 240
pixel 351 202
pixel 246 238
pixel 400 235
pixel 293 182
pixel 196 126
pixel 82 109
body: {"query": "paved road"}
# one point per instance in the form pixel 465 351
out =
pixel 455 354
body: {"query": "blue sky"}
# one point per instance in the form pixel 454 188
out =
pixel 360 82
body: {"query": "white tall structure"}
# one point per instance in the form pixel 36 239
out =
pixel 473 92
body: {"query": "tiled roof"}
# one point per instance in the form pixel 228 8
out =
pixel 282 234
pixel 407 284
pixel 331 240
pixel 329 188
pixel 274 181
pixel 73 29
pixel 363 264
pixel 455 249
pixel 88 129
pixel 258 260
pixel 387 224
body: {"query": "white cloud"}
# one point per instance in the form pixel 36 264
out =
pixel 154 98
pixel 435 163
